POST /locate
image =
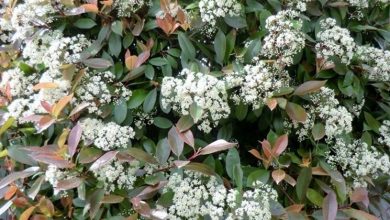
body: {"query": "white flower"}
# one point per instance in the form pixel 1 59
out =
pixel 285 38
pixel 211 10
pixel 126 8
pixel 98 88
pixel 54 174
pixel 384 131
pixel 258 83
pixel 18 83
pixel 197 195
pixel 376 62
pixel 16 109
pixel 118 175
pixel 358 161
pixel 29 15
pixel 106 136
pixel 196 90
pixel 334 42
pixel 325 109
pixel 55 50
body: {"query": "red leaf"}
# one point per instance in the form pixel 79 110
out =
pixel 280 145
pixel 53 159
pixel 18 175
pixel 216 146
pixel 74 139
pixel 360 195
pixel 149 191
pixel 278 175
pixel 309 87
pixel 329 206
pixel 142 58
pixel 187 137
pixel 175 142
pixel 267 149
pixel 69 183
pixel 103 160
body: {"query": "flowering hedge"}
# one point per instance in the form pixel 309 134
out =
pixel 208 109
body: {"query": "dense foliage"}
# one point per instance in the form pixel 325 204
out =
pixel 207 109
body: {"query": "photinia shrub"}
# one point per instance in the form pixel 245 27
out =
pixel 206 109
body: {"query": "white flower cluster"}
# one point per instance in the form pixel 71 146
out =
pixel 196 195
pixel 16 109
pixel 335 42
pixel 118 175
pixel 298 4
pixel 106 136
pixel 358 3
pixel 358 161
pixel 205 92
pixel 258 83
pixel 252 204
pixel 95 90
pixel 285 38
pixel 356 108
pixel 384 131
pixel 29 15
pixel 365 3
pixel 126 8
pixel 54 49
pixel 5 24
pixel 54 174
pixel 212 10
pixel 325 108
pixel 142 119
pixel 18 83
pixel 376 62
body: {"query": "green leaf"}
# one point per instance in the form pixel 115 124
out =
pixel 161 122
pixel 120 112
pixel 97 63
pixel 241 111
pixel 314 197
pixel 115 44
pixel 163 151
pixel 303 183
pixel 235 22
pixel 85 23
pixel 137 97
pixel 257 175
pixel 187 49
pixel 296 112
pixel 89 154
pixel 117 27
pixel 200 167
pixel 238 175
pixel 150 101
pixel 372 122
pixel 318 131
pixel 94 202
pixel 232 159
pixel 158 61
pixel 185 123
pixel 196 112
pixel 141 155
pixel 220 47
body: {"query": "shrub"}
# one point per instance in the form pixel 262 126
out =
pixel 160 109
